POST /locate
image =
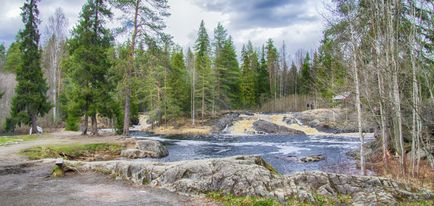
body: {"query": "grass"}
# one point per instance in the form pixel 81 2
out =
pixel 72 151
pixel 232 200
pixel 13 139
pixel 320 200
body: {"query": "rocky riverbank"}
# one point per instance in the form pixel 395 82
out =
pixel 250 175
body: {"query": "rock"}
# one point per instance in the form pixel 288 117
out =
pixel 271 128
pixel 250 175
pixel 129 143
pixel 57 171
pixel 224 122
pixel 312 158
pixel 136 153
pixel 153 147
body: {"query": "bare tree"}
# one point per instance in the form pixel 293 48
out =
pixel 55 32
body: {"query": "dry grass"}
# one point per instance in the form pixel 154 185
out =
pixel 184 130
pixel 425 177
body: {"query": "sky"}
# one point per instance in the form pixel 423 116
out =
pixel 297 22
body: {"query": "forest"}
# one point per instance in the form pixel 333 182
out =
pixel 378 52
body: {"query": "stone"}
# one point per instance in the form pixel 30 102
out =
pixel 251 175
pixel 136 153
pixel 271 128
pixel 312 158
pixel 153 147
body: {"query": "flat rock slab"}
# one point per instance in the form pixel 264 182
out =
pixel 250 175
pixel 33 187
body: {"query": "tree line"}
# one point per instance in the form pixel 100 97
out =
pixel 85 74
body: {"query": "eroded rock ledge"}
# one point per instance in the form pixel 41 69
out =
pixel 250 175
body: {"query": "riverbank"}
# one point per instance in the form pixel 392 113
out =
pixel 319 122
pixel 28 182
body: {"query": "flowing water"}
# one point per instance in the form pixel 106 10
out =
pixel 281 151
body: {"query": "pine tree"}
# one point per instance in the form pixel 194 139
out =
pixel 144 19
pixel 87 65
pixel 30 100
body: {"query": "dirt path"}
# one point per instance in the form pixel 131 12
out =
pixel 24 182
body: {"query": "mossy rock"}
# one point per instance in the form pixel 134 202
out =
pixel 57 171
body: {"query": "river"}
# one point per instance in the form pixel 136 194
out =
pixel 281 151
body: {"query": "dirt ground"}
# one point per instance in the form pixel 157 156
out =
pixel 24 182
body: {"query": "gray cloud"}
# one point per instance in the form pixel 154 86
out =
pixel 10 19
pixel 261 13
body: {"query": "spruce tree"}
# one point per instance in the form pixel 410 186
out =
pixel 248 68
pixel 179 84
pixel 227 72
pixel 306 76
pixel 262 89
pixel 13 57
pixel 87 66
pixel 204 85
pixel 30 100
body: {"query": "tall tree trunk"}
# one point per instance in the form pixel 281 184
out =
pixel 127 105
pixel 358 104
pixel 94 125
pixel 34 124
pixel 85 125
pixel 193 95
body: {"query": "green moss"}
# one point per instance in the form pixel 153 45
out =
pixel 320 200
pixel 20 138
pixel 57 171
pixel 71 151
pixel 418 203
pixel 232 200
pixel 261 162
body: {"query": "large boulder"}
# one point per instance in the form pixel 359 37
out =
pixel 152 146
pixel 263 126
pixel 143 149
pixel 250 175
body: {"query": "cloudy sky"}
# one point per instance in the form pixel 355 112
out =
pixel 297 22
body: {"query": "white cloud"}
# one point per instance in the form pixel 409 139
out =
pixel 296 22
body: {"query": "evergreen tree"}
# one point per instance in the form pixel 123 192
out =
pixel 2 56
pixel 30 100
pixel 262 89
pixel 272 66
pixel 227 73
pixel 306 76
pixel 249 67
pixel 13 58
pixel 87 66
pixel 143 19
pixel 204 85
pixel 231 75
pixel 293 79
pixel 330 73
pixel 178 80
